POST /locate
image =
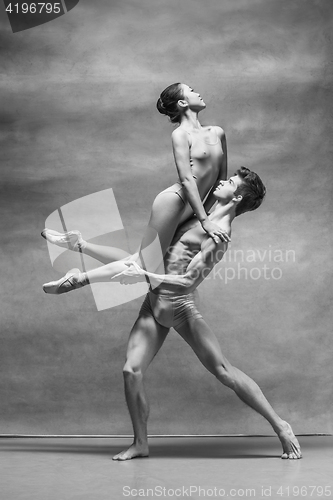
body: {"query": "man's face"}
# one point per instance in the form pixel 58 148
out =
pixel 193 98
pixel 226 189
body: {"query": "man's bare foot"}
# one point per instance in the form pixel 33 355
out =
pixel 134 451
pixel 290 444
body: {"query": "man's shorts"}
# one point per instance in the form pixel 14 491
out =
pixel 170 310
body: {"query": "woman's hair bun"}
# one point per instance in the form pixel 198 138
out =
pixel 160 106
pixel 167 103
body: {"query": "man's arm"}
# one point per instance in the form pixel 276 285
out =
pixel 197 270
pixel 210 201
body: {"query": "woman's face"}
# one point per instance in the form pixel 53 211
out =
pixel 193 98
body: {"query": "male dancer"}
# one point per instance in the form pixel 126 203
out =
pixel 191 257
pixel 170 303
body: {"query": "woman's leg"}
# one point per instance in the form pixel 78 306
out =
pixel 168 211
pixel 105 273
pixel 166 215
pixel 72 240
pixel 76 279
pixel 103 253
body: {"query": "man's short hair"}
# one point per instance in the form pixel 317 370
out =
pixel 252 191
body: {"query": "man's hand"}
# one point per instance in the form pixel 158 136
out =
pixel 133 274
pixel 214 231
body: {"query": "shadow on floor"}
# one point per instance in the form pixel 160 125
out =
pixel 159 448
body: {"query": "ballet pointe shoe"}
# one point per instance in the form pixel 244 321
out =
pixel 71 281
pixel 72 239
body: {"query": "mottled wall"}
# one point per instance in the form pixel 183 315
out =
pixel 78 116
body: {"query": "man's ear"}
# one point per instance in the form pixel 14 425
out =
pixel 237 199
pixel 182 103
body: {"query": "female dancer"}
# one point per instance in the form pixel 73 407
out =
pixel 200 154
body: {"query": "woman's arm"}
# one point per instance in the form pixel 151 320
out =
pixel 181 153
pixel 210 201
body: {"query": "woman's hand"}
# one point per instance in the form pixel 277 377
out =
pixel 133 274
pixel 214 231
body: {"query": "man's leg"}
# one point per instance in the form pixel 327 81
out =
pixel 205 345
pixel 146 338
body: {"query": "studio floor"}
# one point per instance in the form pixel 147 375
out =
pixel 180 467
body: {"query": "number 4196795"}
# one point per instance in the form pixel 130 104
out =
pixel 33 8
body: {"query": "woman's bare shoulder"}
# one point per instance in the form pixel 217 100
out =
pixel 179 136
pixel 215 129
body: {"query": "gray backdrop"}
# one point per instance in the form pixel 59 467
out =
pixel 78 98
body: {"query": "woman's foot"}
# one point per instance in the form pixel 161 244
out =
pixel 72 239
pixel 72 280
